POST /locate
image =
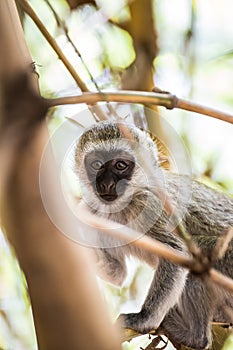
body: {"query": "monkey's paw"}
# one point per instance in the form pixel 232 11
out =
pixel 136 321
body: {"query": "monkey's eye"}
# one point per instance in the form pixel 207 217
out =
pixel 96 164
pixel 121 165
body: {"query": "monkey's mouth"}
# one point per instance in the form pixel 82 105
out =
pixel 108 197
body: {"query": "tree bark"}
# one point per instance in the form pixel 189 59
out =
pixel 141 27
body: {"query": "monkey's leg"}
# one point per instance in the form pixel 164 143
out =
pixel 188 323
pixel 111 265
pixel 165 291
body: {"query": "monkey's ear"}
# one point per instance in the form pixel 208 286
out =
pixel 163 153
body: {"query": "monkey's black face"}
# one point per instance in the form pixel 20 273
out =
pixel 109 173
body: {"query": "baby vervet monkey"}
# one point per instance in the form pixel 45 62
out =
pixel 121 180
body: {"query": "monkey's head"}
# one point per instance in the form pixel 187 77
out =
pixel 111 159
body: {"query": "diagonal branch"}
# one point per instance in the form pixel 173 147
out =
pixel 29 10
pixel 126 234
pixel 96 110
pixel 64 27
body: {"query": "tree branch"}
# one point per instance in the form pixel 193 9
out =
pixel 128 235
pixel 29 10
pixel 64 296
pixel 162 99
pixel 96 110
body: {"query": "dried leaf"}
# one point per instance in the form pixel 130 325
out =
pixel 76 3
pixel 154 345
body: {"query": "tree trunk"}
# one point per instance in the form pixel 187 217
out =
pixel 67 306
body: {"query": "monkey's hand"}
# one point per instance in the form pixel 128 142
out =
pixel 131 321
pixel 165 291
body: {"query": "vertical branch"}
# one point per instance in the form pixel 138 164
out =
pixel 12 40
pixel 140 75
pixel 189 45
pixel 66 302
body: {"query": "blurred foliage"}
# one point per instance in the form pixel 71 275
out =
pixel 195 59
pixel 229 343
pixel 16 325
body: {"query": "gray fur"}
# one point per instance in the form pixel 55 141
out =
pixel 183 304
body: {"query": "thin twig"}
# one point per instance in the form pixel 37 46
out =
pixel 31 13
pixel 162 99
pixel 179 227
pixel 63 26
pixel 210 112
pixel 65 29
pixel 222 244
pixel 29 10
pixel 221 279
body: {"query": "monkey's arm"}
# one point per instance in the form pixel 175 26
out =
pixel 110 265
pixel 165 291
pixel 169 279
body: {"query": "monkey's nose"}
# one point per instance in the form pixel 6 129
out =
pixel 107 191
pixel 108 187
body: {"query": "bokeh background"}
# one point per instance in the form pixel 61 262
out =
pixel 193 59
